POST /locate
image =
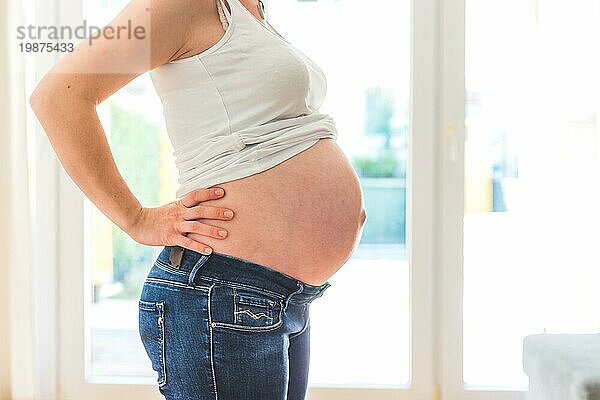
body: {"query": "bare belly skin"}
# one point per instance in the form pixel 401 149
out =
pixel 303 217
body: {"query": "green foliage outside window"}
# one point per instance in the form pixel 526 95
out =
pixel 385 165
pixel 380 110
pixel 136 148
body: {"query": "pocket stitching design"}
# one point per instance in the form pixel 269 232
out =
pixel 161 322
pixel 234 285
pixel 158 308
pixel 252 301
pixel 255 301
pixel 265 328
pixel 253 315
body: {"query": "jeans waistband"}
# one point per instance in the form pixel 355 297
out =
pixel 232 269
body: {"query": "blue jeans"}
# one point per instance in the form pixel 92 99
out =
pixel 224 328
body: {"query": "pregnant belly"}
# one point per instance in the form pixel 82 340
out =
pixel 302 217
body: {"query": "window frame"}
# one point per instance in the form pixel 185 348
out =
pixel 452 200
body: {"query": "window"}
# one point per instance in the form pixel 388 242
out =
pixel 532 163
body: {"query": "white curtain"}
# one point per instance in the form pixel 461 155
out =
pixel 18 349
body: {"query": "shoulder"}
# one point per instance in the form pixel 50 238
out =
pixel 142 36
pixel 169 23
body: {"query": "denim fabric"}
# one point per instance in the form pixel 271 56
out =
pixel 223 328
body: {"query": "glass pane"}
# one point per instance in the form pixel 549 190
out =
pixel 532 168
pixel 366 59
pixel 369 98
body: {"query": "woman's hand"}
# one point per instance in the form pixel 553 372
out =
pixel 176 223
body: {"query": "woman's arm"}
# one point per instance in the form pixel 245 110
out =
pixel 65 103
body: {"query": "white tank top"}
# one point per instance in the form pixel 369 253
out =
pixel 244 105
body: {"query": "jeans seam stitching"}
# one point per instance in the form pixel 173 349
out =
pixel 210 327
pixel 247 328
pixel 147 305
pixel 162 266
pixel 235 309
pixel 176 284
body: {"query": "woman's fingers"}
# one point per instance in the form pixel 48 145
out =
pixel 202 229
pixel 188 243
pixel 190 227
pixel 199 195
pixel 208 212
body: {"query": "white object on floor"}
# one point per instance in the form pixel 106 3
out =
pixel 562 366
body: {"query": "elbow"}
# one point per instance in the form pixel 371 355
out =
pixel 49 98
pixel 48 95
pixel 54 96
pixel 34 99
pixel 40 99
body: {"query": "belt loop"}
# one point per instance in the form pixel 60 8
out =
pixel 323 289
pixel 199 263
pixel 300 289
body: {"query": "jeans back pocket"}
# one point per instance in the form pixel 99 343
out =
pixel 152 334
pixel 245 308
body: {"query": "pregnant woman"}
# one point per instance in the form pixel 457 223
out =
pixel 268 206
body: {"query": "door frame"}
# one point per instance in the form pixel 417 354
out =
pixel 452 183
